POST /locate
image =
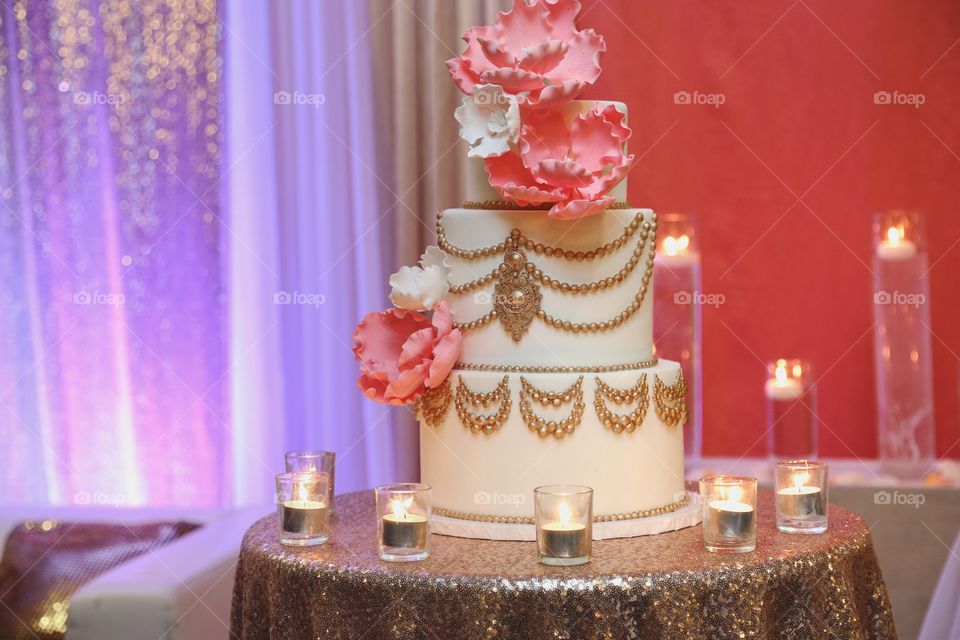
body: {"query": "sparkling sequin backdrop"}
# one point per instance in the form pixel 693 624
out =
pixel 112 340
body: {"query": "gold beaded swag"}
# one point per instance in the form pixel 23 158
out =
pixel 517 290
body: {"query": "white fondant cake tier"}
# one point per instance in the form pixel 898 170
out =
pixel 544 345
pixel 478 182
pixel 495 474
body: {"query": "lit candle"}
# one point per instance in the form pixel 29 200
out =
pixel 402 529
pixel 731 518
pixel 564 538
pixel 305 516
pixel 800 500
pixel 675 252
pixel 783 386
pixel 895 246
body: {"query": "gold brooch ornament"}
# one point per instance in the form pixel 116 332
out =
pixel 433 405
pixel 544 427
pixel 466 397
pixel 516 297
pixel 671 401
pixel 621 423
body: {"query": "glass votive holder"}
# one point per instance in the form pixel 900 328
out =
pixel 564 517
pixel 729 506
pixel 403 521
pixel 315 461
pixel 302 508
pixel 801 487
pixel 791 409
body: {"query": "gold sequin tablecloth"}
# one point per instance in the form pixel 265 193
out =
pixel 665 586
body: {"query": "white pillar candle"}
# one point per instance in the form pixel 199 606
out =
pixel 895 247
pixel 782 386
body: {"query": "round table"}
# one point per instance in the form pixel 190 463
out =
pixel 664 586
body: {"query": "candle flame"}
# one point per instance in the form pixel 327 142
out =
pixel 800 479
pixel 564 513
pixel 734 493
pixel 781 371
pixel 672 246
pixel 797 371
pixel 399 506
pixel 303 493
pixel 895 235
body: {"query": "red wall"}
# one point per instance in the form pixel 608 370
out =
pixel 798 120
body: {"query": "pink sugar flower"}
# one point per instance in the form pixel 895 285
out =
pixel 535 50
pixel 573 166
pixel 403 353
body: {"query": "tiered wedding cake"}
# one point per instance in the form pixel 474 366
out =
pixel 537 366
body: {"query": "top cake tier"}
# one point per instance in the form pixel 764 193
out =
pixel 575 293
pixel 478 182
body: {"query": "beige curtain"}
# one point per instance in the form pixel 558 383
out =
pixel 423 162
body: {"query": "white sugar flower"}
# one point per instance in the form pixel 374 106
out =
pixel 489 120
pixel 423 287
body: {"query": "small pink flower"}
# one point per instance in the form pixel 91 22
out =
pixel 534 49
pixel 574 166
pixel 403 353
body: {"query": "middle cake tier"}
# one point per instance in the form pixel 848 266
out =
pixel 530 291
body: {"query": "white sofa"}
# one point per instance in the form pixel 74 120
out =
pixel 181 591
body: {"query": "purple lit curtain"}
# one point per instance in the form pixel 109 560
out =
pixel 310 244
pixel 113 355
pixel 341 147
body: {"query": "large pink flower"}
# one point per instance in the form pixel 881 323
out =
pixel 402 353
pixel 534 48
pixel 573 166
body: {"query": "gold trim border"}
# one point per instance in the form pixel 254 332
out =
pixel 507 205
pixel 633 515
pixel 612 368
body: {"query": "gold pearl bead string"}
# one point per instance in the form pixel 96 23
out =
pixel 621 423
pixel 542 426
pixel 585 327
pixel 670 401
pixel 615 517
pixel 518 238
pixel 610 368
pixel 513 206
pixel 558 285
pixel 432 406
pixel 483 424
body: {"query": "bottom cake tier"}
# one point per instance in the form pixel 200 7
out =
pixel 489 438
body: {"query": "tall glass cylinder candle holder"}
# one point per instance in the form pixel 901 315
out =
pixel 314 461
pixel 801 490
pixel 302 508
pixel 564 522
pixel 791 401
pixel 902 344
pixel 678 300
pixel 729 506
pixel 403 521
